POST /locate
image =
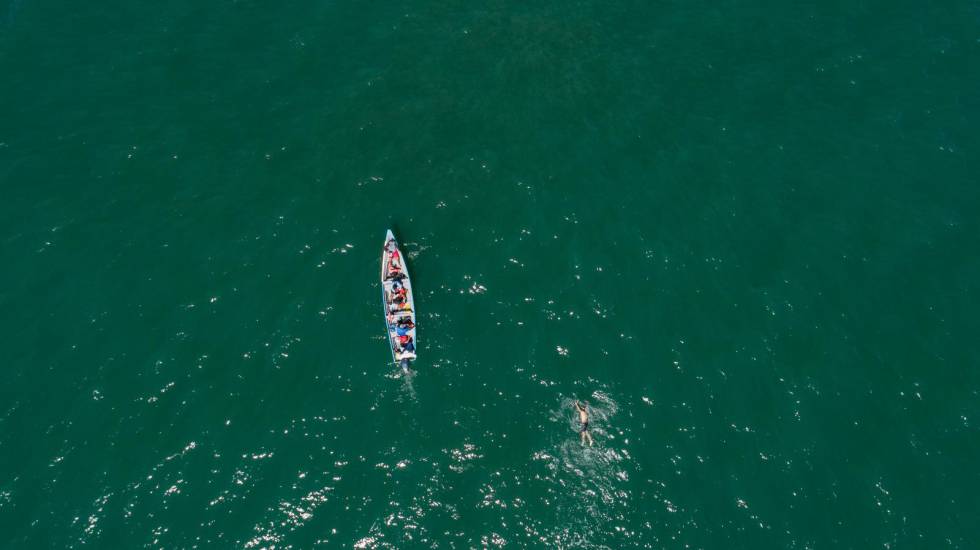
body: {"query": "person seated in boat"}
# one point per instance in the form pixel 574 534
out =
pixel 402 291
pixel 395 275
pixel 396 289
pixel 394 261
pixel 407 343
pixel 398 297
pixel 395 308
pixel 406 322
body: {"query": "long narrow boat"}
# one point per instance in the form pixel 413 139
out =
pixel 398 299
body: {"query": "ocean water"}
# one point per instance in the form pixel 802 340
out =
pixel 746 233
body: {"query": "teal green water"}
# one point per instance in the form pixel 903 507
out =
pixel 746 233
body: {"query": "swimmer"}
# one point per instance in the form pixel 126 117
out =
pixel 583 418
